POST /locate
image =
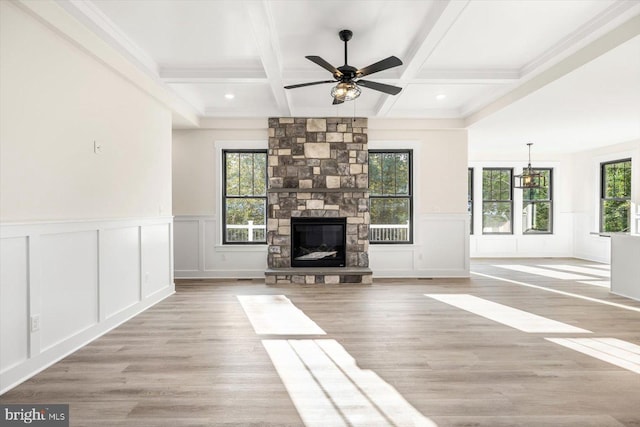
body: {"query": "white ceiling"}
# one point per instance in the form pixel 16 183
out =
pixel 562 73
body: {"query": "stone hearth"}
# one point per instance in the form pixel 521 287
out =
pixel 318 167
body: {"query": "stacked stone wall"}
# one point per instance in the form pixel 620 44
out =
pixel 318 167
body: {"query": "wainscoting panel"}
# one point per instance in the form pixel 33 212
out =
pixel 199 253
pixel 156 258
pixel 518 245
pixel 63 284
pixel 69 285
pixel 187 245
pixel 440 249
pixel 119 269
pixel 14 302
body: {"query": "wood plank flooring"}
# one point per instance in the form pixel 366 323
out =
pixel 195 359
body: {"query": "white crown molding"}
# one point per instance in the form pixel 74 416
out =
pixel 59 19
pixel 92 17
pixel 614 15
pixel 600 46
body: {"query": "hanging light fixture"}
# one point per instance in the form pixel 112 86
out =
pixel 529 177
pixel 345 91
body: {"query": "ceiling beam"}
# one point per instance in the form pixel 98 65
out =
pixel 265 33
pixel 212 75
pixel 438 22
pixel 604 44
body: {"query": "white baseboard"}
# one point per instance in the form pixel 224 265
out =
pixel 64 284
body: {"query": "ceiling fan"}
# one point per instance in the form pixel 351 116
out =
pixel 350 78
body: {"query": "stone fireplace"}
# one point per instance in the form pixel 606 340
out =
pixel 318 176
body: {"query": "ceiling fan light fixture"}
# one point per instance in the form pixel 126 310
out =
pixel 345 91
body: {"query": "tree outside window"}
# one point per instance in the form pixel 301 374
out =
pixel 390 198
pixel 245 196
pixel 497 201
pixel 537 214
pixel 615 199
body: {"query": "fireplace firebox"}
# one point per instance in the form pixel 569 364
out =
pixel 318 242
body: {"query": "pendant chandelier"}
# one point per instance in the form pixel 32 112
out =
pixel 529 178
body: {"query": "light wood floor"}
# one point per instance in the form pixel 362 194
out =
pixel 195 360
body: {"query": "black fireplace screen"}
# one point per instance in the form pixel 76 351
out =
pixel 318 242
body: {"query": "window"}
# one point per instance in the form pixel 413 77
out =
pixel 615 195
pixel 470 197
pixel 390 199
pixel 245 196
pixel 537 213
pixel 497 201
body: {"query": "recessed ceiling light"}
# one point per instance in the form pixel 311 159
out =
pixel 441 96
pixel 229 95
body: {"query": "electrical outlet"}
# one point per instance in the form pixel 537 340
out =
pixel 35 323
pixel 97 147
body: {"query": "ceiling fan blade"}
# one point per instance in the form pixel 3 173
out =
pixel 337 101
pixel 309 84
pixel 385 64
pixel 391 90
pixel 324 64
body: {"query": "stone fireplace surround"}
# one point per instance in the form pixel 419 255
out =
pixel 318 167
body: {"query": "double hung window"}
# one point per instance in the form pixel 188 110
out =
pixel 537 206
pixel 615 195
pixel 245 196
pixel 390 197
pixel 497 201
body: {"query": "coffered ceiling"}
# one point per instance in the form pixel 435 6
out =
pixel 496 65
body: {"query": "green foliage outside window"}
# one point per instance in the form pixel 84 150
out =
pixel 497 204
pixel 536 206
pixel 390 196
pixel 615 203
pixel 245 196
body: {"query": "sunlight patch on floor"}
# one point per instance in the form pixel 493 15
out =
pixel 553 274
pixel 509 316
pixel 557 291
pixel 276 315
pixel 611 350
pixel 601 283
pixel 600 266
pixel 329 389
pixel 578 269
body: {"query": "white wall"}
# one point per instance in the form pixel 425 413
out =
pixel 440 245
pixel 56 101
pixel 586 198
pixel 441 238
pixel 576 204
pixel 557 244
pixel 85 238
